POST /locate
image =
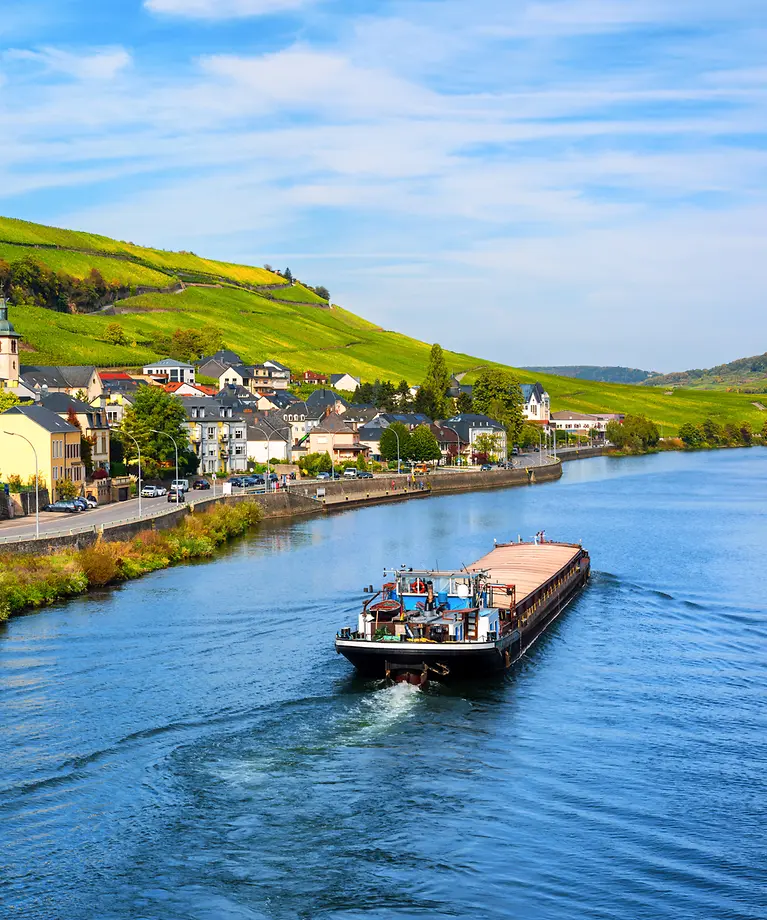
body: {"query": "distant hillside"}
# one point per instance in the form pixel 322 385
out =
pixel 592 372
pixel 747 375
pixel 260 316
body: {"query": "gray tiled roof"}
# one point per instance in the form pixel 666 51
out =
pixel 46 419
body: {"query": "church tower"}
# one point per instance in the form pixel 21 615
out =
pixel 9 349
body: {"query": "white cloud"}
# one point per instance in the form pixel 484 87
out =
pixel 100 64
pixel 222 9
pixel 301 78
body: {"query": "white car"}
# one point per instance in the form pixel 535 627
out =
pixel 180 484
pixel 153 491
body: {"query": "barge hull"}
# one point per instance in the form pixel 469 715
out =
pixel 462 661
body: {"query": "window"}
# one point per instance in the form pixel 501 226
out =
pixel 239 449
pixel 239 433
pixel 13 347
pixel 55 473
pixel 211 432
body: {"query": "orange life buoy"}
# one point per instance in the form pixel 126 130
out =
pixel 417 587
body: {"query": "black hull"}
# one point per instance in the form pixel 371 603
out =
pixel 459 661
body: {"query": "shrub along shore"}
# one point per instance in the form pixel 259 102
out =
pixel 30 581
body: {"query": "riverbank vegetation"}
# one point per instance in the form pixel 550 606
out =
pixel 710 434
pixel 28 581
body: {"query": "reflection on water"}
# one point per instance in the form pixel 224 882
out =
pixel 190 746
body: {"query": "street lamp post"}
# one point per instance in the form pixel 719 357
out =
pixel 391 428
pixel 138 448
pixel 175 445
pixel 15 434
pixel 269 436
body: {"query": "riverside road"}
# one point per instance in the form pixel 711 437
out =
pixel 56 522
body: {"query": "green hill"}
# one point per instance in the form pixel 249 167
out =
pixel 746 374
pixel 261 316
pixel 593 372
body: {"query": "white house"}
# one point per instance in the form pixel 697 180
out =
pixel 344 382
pixel 173 371
pixel 469 426
pixel 537 407
pixel 582 422
pixel 269 439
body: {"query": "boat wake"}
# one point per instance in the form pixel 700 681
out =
pixel 381 711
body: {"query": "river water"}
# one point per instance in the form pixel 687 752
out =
pixel 189 746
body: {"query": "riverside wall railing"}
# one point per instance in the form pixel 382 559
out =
pixel 299 499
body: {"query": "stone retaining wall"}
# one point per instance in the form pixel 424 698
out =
pixel 581 454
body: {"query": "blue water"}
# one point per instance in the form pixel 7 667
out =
pixel 189 746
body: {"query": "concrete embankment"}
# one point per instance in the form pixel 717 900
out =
pixel 581 454
pixel 274 505
pixel 350 493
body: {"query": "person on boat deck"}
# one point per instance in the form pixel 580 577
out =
pixel 431 603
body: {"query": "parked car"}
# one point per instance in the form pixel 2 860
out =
pixel 176 495
pixel 153 491
pixel 82 503
pixel 350 473
pixel 201 484
pixel 273 477
pixel 257 480
pixel 181 484
pixel 68 505
pixel 238 482
pixel 364 474
pixel 92 503
pixel 486 467
pixel 323 475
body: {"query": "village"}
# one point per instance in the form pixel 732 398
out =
pixel 63 437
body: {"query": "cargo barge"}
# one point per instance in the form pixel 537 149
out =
pixel 445 625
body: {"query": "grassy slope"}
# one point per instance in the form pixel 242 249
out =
pixel 332 341
pixel 79 265
pixel 23 232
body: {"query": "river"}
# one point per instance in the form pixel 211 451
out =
pixel 190 747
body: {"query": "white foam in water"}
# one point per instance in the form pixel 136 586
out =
pixel 381 710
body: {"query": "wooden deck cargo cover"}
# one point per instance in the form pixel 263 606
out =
pixel 526 565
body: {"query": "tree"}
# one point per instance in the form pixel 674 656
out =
pixel 364 394
pixel 423 445
pixel 403 397
pixel 529 435
pixel 7 400
pixel 636 435
pixel 691 436
pixel 486 448
pixel 498 395
pixel 437 383
pixel 362 463
pixel 322 291
pixel 154 408
pixel 712 432
pixel 385 395
pixel 315 463
pixel 464 403
pixel 66 489
pixel 389 445
pixel 288 275
pixel 115 335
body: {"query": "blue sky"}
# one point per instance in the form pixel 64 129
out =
pixel 550 182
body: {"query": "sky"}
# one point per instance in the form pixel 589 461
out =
pixel 544 182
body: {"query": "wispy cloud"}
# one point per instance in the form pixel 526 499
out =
pixel 588 158
pixel 93 64
pixel 222 9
